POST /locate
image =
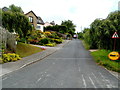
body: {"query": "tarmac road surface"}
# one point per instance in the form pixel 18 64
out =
pixel 70 67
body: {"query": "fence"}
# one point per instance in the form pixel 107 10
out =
pixel 7 39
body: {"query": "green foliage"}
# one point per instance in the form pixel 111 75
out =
pixel 10 57
pixel 14 20
pixel 99 35
pixel 57 28
pixel 86 45
pixel 70 26
pixel 47 33
pixel 14 8
pixel 58 41
pixel 101 57
pixel 23 40
pixel 35 36
pixel 65 27
pixel 48 41
pixel 51 44
pixel 80 35
pixel 44 41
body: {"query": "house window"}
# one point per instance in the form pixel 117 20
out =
pixel 31 19
pixel 38 27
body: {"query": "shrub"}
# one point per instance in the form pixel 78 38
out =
pixel 23 40
pixel 34 41
pixel 57 37
pixel 44 41
pixel 58 41
pixel 51 36
pixel 51 44
pixel 47 33
pixel 10 57
pixel 6 58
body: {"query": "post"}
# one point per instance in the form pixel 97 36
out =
pixel 114 44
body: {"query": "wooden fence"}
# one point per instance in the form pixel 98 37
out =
pixel 7 39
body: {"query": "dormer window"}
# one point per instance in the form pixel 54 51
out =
pixel 31 19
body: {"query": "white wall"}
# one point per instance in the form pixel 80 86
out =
pixel 40 27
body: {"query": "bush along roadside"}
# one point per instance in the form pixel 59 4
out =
pixel 9 57
pixel 101 57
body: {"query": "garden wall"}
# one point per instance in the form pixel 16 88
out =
pixel 7 39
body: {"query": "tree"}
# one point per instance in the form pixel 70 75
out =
pixel 57 28
pixel 101 30
pixel 16 21
pixel 70 26
pixel 14 8
pixel 62 29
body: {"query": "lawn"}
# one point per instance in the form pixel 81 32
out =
pixel 26 49
pixel 101 57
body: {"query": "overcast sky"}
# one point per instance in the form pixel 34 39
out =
pixel 81 12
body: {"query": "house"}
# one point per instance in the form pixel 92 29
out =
pixel 47 24
pixel 35 21
pixel 5 9
pixel 53 23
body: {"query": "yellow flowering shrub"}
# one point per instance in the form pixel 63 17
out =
pixel 47 33
pixel 51 44
pixel 10 57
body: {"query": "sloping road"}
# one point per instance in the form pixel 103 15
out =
pixel 70 67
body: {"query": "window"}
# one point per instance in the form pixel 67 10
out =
pixel 38 27
pixel 31 19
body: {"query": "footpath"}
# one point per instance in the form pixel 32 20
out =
pixel 13 66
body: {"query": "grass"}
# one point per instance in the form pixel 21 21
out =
pixel 101 57
pixel 85 45
pixel 26 49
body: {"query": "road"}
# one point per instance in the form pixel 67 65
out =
pixel 70 67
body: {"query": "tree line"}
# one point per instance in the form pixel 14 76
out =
pixel 99 35
pixel 66 27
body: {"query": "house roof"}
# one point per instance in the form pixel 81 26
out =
pixel 31 12
pixel 5 9
pixel 47 24
pixel 53 23
pixel 38 17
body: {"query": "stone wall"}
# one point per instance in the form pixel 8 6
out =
pixel 7 39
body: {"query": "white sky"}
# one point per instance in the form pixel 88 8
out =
pixel 81 12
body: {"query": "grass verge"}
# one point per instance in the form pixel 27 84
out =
pixel 101 57
pixel 26 49
pixel 85 45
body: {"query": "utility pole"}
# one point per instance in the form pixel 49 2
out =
pixel 81 28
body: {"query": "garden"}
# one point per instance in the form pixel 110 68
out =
pixel 47 38
pixel 26 35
